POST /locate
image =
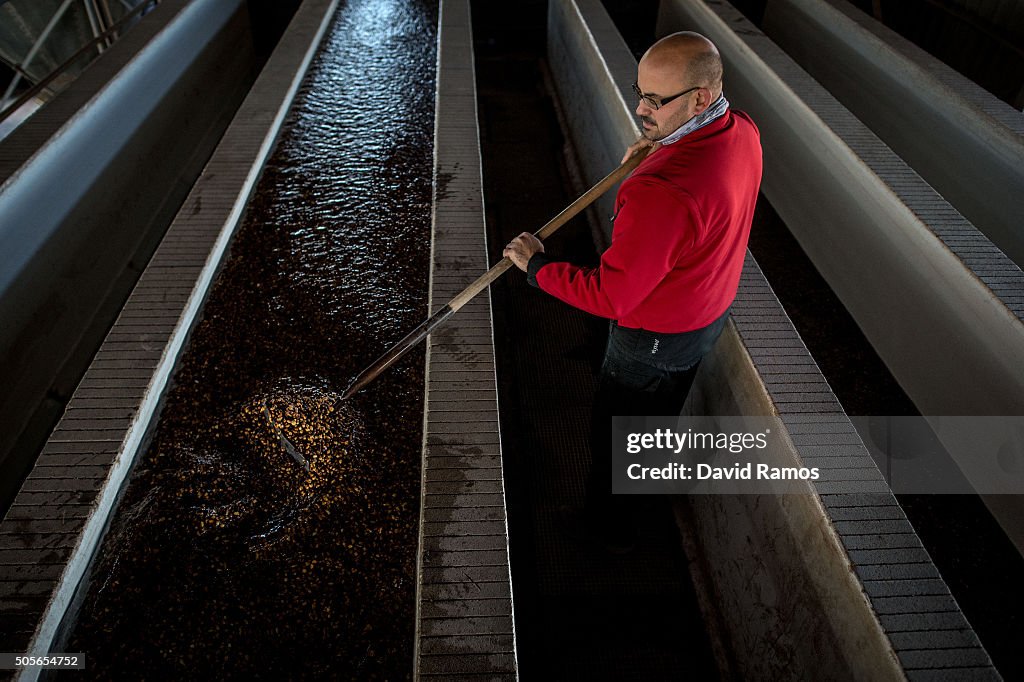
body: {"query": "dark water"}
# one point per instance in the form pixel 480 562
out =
pixel 226 558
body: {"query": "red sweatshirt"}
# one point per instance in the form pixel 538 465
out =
pixel 682 220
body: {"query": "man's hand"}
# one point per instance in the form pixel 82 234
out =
pixel 522 248
pixel 637 146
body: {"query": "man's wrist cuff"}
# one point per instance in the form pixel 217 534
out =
pixel 537 261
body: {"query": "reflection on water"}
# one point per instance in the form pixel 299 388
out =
pixel 227 558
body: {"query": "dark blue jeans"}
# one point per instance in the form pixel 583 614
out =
pixel 643 374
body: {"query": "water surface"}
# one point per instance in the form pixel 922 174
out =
pixel 226 558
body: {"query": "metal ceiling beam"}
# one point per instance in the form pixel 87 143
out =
pixel 32 52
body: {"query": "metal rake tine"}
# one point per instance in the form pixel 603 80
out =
pixel 283 439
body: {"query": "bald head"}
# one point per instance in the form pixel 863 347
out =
pixel 691 56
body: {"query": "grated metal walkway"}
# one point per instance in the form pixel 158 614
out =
pixel 464 618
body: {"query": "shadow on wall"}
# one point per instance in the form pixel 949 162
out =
pixel 980 39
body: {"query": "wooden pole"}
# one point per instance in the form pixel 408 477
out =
pixel 483 281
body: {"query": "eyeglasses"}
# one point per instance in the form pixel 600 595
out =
pixel 656 104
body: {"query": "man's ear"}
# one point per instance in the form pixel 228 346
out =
pixel 703 100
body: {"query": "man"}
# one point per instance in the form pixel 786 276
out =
pixel 667 280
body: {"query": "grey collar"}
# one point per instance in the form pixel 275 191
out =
pixel 713 112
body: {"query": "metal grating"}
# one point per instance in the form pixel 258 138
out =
pixel 464 620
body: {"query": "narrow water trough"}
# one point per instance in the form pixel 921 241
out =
pixel 219 533
pixel 164 522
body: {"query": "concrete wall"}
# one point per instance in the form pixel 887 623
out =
pixel 89 185
pixel 600 123
pixel 775 577
pixel 465 623
pixel 965 142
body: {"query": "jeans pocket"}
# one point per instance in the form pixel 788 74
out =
pixel 625 342
pixel 632 375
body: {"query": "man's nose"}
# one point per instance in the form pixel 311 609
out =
pixel 643 109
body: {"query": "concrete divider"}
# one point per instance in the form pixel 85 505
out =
pixel 963 141
pixel 591 97
pixel 89 184
pixel 823 585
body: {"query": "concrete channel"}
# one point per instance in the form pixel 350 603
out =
pixel 962 140
pixel 832 583
pixel 864 548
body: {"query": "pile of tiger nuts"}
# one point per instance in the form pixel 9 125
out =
pixel 229 557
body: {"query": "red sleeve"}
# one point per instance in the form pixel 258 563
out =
pixel 654 226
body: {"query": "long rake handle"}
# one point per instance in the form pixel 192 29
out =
pixel 483 281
